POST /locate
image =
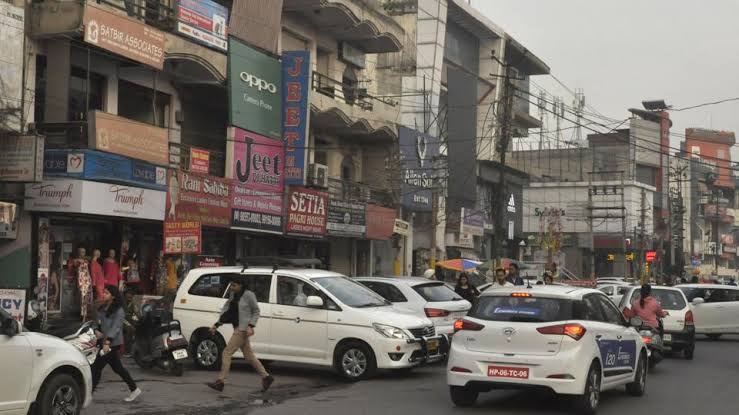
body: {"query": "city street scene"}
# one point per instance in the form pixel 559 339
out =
pixel 386 207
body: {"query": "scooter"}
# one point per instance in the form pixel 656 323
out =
pixel 85 341
pixel 158 339
pixel 655 345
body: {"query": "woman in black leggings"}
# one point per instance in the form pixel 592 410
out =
pixel 111 315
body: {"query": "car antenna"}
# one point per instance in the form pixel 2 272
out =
pixel 528 283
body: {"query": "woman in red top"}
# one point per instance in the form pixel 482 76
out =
pixel 647 307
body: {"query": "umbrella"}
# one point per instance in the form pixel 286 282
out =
pixel 459 264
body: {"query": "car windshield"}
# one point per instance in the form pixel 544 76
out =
pixel 351 293
pixel 518 309
pixel 434 292
pixel 669 299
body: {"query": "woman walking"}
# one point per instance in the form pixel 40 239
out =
pixel 111 315
pixel 465 289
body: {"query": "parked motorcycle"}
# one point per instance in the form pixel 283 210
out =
pixel 85 341
pixel 158 339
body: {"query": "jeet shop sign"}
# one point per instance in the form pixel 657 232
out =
pixel 295 76
pixel 258 181
pixel 198 198
pixel 123 36
pixel 307 212
pixel 346 219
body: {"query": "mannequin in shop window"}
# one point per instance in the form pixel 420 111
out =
pixel 133 279
pixel 111 270
pixel 96 272
pixel 80 270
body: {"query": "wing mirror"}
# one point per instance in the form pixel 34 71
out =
pixel 314 301
pixel 698 300
pixel 11 327
pixel 636 322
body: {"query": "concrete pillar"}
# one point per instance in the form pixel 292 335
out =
pixel 57 81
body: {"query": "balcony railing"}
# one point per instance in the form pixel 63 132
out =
pixel 359 192
pixel 157 13
pixel 351 94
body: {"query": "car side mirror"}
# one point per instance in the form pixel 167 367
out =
pixel 636 322
pixel 698 300
pixel 11 327
pixel 314 301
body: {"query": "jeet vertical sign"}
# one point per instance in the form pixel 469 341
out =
pixel 295 73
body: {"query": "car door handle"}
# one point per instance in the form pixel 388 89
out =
pixel 297 320
pixel 619 337
pixel 598 337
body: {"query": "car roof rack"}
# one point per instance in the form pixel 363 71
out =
pixel 278 262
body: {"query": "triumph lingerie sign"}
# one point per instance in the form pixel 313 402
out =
pixel 80 196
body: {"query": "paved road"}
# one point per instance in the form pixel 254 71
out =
pixel 706 385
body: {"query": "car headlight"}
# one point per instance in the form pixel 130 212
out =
pixel 390 331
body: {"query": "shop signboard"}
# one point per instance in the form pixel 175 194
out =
pixel 295 88
pixel 201 198
pixel 209 261
pixel 472 222
pixel 205 21
pixel 402 227
pixel 199 160
pixel 380 222
pixel 307 211
pixel 99 166
pixel 21 158
pixel 9 213
pixel 255 90
pixel 182 237
pixel 14 303
pixel 417 152
pixel 124 36
pixel 129 138
pixel 346 219
pixel 258 181
pixel 107 199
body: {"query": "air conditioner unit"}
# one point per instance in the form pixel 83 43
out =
pixel 318 175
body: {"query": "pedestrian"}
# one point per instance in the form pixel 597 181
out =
pixel 111 315
pixel 465 289
pixel 439 273
pixel 548 278
pixel 500 279
pixel 513 276
pixel 242 311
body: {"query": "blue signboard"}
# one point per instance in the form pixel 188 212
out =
pixel 417 153
pixel 205 21
pixel 104 167
pixel 295 74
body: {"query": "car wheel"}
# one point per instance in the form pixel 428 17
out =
pixel 355 361
pixel 713 336
pixel 463 396
pixel 639 386
pixel 587 403
pixel 207 352
pixel 60 395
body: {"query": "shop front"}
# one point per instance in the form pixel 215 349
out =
pixel 346 227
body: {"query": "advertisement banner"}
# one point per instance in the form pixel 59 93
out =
pixel 79 196
pixel 9 214
pixel 380 222
pixel 472 222
pixel 199 198
pixel 209 261
pixel 12 31
pixel 182 237
pixel 14 303
pixel 258 181
pixel 346 219
pixel 254 89
pixel 417 154
pixel 199 160
pixel 21 158
pixel 205 21
pixel 129 138
pixel 307 211
pixel 123 36
pixel 295 88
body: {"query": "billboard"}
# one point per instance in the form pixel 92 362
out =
pixel 21 158
pixel 346 219
pixel 380 222
pixel 295 87
pixel 254 89
pixel 417 154
pixel 182 237
pixel 198 198
pixel 128 138
pixel 472 222
pixel 205 21
pixel 307 211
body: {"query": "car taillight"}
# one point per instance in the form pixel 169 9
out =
pixel 689 319
pixel 467 325
pixel 575 331
pixel 525 295
pixel 435 312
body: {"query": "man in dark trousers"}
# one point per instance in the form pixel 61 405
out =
pixel 242 311
pixel 513 276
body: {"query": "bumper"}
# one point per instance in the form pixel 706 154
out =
pixel 400 354
pixel 87 376
pixel 679 340
pixel 540 367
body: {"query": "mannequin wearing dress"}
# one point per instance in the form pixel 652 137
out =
pixel 98 278
pixel 111 270
pixel 84 282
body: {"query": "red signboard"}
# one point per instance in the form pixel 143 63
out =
pixel 307 210
pixel 199 160
pixel 210 261
pixel 380 222
pixel 201 198
pixel 182 237
pixel 651 256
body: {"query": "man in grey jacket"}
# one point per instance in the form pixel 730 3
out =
pixel 242 311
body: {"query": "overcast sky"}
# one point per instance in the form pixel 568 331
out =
pixel 624 51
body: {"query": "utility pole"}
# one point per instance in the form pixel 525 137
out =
pixel 590 225
pixel 608 190
pixel 623 223
pixel 642 226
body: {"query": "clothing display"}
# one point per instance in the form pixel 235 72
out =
pixel 112 272
pixel 98 278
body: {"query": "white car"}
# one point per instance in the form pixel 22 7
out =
pixel 41 374
pixel 307 316
pixel 615 291
pixel 422 297
pixel 573 341
pixel 715 308
pixel 679 325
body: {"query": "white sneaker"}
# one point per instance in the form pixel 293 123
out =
pixel 132 397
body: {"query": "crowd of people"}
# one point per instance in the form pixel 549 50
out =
pixel 500 278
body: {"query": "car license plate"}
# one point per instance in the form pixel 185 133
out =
pixel 179 354
pixel 508 372
pixel 432 346
pixel 668 337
